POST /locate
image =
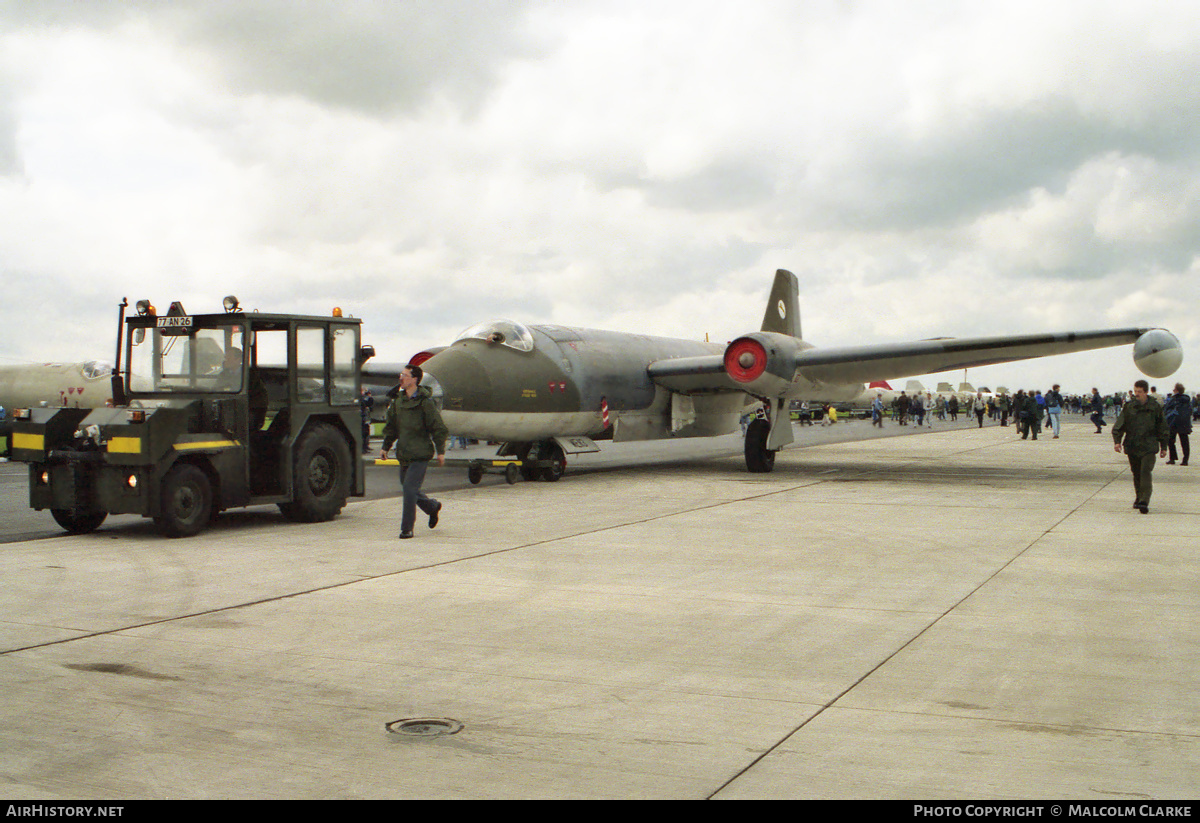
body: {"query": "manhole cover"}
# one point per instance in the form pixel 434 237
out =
pixel 425 726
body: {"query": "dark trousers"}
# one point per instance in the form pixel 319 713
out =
pixel 1030 425
pixel 1183 441
pixel 412 475
pixel 1142 466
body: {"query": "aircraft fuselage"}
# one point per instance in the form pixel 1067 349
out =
pixel 561 380
pixel 78 385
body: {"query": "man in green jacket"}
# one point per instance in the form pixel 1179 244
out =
pixel 415 425
pixel 1144 430
pixel 1029 416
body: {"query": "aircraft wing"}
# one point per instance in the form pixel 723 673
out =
pixel 693 374
pixel 881 362
pixel 772 365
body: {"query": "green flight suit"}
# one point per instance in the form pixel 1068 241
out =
pixel 1143 428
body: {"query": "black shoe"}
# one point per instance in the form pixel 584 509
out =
pixel 433 516
pixel 1144 508
pixel 1170 462
pixel 405 535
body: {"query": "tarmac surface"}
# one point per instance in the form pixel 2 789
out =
pixel 956 615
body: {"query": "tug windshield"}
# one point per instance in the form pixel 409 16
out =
pixel 200 358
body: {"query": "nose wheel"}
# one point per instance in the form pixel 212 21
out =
pixel 545 460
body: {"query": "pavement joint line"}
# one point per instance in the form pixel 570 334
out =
pixel 758 496
pixel 425 567
pixel 1009 721
pixel 769 493
pixel 833 702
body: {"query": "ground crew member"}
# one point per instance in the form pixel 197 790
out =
pixel 1144 429
pixel 415 425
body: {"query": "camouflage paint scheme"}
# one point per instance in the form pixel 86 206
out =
pixel 526 385
pixel 559 388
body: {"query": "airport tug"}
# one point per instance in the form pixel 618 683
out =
pixel 210 412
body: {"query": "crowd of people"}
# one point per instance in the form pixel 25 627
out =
pixel 1030 411
pixel 1146 425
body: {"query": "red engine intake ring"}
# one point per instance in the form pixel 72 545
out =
pixel 745 360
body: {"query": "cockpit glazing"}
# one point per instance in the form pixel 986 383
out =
pixel 501 332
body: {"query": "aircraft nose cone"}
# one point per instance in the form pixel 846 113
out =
pixel 435 388
pixel 1157 353
pixel 464 382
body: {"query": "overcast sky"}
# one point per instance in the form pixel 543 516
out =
pixel 925 168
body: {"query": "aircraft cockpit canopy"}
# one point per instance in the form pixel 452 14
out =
pixel 503 332
pixel 95 369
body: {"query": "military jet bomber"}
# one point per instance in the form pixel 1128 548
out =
pixel 547 391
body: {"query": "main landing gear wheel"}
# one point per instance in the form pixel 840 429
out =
pixel 759 459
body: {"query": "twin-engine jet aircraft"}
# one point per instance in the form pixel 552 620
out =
pixel 545 391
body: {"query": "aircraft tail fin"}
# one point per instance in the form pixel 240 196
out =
pixel 783 306
pixel 880 384
pixel 914 386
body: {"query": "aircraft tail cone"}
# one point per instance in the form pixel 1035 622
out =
pixel 1157 353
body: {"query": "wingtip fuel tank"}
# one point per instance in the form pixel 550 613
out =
pixel 1157 353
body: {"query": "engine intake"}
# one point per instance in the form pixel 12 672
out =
pixel 764 362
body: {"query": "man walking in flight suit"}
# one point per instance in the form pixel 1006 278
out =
pixel 415 425
pixel 1145 431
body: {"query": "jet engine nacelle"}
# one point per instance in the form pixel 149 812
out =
pixel 764 363
pixel 1157 353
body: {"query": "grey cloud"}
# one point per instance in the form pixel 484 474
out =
pixel 954 177
pixel 376 57
pixel 10 159
pixel 721 186
pixel 991 163
pixel 381 57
